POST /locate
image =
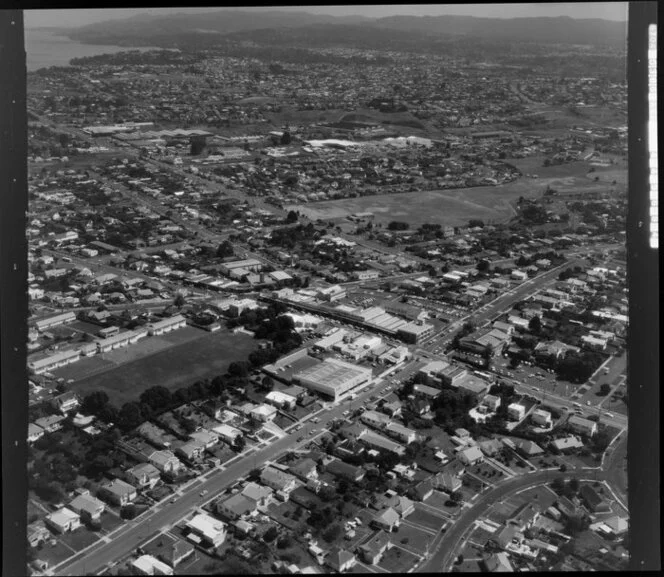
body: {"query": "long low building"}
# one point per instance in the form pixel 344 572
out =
pixel 54 321
pixel 40 366
pixel 332 377
pixel 167 325
pixel 121 340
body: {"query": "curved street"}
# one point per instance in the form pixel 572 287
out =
pixel 447 548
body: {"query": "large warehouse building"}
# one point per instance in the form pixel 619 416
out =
pixel 332 377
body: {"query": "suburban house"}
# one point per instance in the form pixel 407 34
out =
pixel 491 402
pixel 527 448
pixel 373 550
pixel 143 476
pixel 422 491
pixel 65 402
pixel 165 461
pixel 262 496
pixel 176 552
pixel 498 563
pixel 281 482
pixel 578 425
pixel 38 534
pixel 35 432
pixel 305 469
pixel 344 470
pixel 190 451
pixel 339 559
pixel 516 412
pixel 149 565
pixel 387 519
pixel 524 517
pixel 63 520
pixel 118 492
pixel 541 418
pixel 205 438
pixel 263 413
pixel 206 529
pixel 401 433
pixel 470 456
pixel 51 423
pixel 235 507
pixel 402 505
pixel 446 481
pixel 227 433
pixel 87 506
pixel 593 500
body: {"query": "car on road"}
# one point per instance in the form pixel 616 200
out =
pixel 312 432
pixel 607 414
pixel 173 500
pixel 299 439
pixel 203 493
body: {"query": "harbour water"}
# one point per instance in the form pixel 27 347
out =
pixel 46 48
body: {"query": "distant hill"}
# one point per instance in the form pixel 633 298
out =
pixel 559 30
pixel 349 30
pixel 146 26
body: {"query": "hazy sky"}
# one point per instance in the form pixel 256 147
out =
pixel 604 10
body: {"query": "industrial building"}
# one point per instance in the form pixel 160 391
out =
pixel 333 378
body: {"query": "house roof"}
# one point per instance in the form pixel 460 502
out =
pixel 86 503
pixel 471 453
pixel 387 516
pixel 303 467
pixel 375 545
pixel 255 491
pixel 528 447
pixel 239 505
pixel 338 557
pixel 119 487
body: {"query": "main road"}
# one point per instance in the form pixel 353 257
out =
pixel 130 535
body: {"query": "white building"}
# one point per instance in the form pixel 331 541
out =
pixel 541 418
pixel 333 377
pixel 515 411
pixel 205 528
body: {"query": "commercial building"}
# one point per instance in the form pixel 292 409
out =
pixel 280 400
pixel 333 377
pixel 414 332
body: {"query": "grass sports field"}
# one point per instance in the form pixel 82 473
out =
pixel 175 367
pixel 455 207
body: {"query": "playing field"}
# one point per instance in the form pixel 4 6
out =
pixel 175 367
pixel 455 207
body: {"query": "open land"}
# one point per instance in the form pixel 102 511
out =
pixel 175 367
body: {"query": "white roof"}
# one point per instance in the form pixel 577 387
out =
pixel 206 525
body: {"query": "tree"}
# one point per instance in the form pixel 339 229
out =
pixel 271 534
pixel 179 300
pixel 267 384
pixel 157 397
pixel 130 416
pixel 332 533
pixel 94 403
pixel 574 485
pixel 456 497
pixel 605 389
pixel 558 485
pixel 286 138
pixel 239 444
pixel 535 325
pixel 291 217
pixel 483 266
pixel 238 369
pixel 225 249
